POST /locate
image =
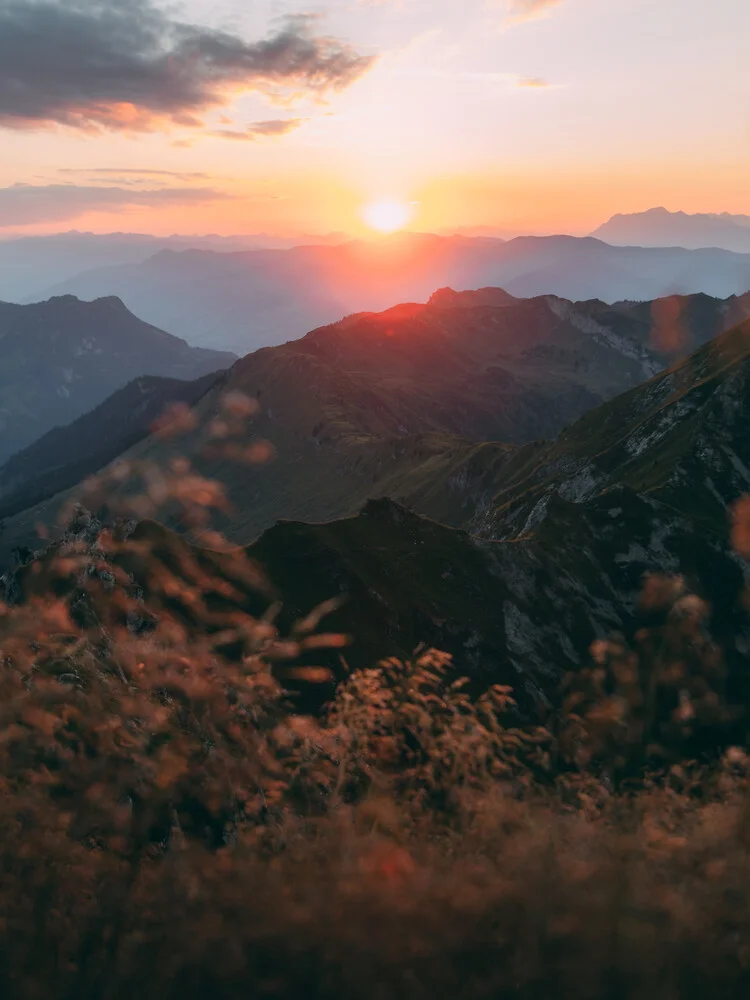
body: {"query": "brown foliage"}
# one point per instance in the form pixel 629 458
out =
pixel 170 827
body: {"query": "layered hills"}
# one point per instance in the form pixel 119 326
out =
pixel 243 301
pixel 61 358
pixel 30 265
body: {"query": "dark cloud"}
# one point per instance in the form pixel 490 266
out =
pixel 127 64
pixel 260 130
pixel 28 204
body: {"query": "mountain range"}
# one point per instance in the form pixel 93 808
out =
pixel 557 537
pixel 660 228
pixel 556 557
pixel 403 404
pixel 29 265
pixel 243 301
pixel 61 358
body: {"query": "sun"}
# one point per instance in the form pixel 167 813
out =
pixel 387 216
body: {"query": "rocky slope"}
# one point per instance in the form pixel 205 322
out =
pixel 644 484
pixel 681 440
pixel 61 358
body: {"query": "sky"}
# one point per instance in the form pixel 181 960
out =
pixel 289 117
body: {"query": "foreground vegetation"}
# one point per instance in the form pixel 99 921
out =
pixel 171 825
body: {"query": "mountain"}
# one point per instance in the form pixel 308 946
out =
pixel 680 440
pixel 30 265
pixel 641 484
pixel 398 404
pixel 67 455
pixel 61 358
pixel 660 228
pixel 243 301
pixel 558 557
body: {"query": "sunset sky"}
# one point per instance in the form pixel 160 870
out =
pixel 232 116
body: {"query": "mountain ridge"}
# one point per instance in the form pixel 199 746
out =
pixel 555 539
pixel 411 403
pixel 29 265
pixel 65 456
pixel 241 301
pixel 61 357
pixel 660 227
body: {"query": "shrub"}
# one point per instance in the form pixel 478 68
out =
pixel 171 827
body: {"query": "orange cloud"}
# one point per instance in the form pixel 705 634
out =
pixel 260 130
pixel 29 204
pixel 532 82
pixel 529 10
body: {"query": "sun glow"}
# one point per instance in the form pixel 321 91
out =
pixel 387 216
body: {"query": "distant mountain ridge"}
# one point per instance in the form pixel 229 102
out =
pixel 660 228
pixel 30 265
pixel 61 358
pixel 243 301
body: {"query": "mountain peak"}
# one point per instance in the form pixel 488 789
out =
pixel 660 227
pixel 61 358
pixel 64 299
pixel 113 302
pixel 448 298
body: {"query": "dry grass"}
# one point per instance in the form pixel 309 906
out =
pixel 169 827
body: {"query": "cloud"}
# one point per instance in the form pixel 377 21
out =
pixel 532 83
pixel 260 130
pixel 529 10
pixel 128 65
pixel 135 172
pixel 28 204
